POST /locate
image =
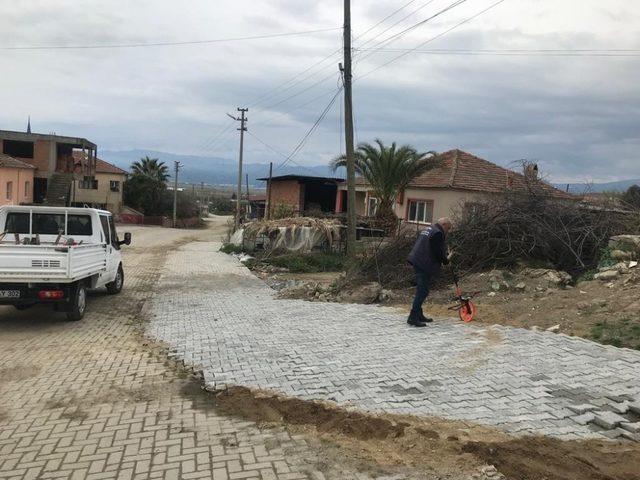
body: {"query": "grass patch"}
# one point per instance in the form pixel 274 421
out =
pixel 230 248
pixel 588 276
pixel 624 332
pixel 309 263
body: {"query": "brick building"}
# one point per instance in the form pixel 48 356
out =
pixel 303 194
pixel 56 167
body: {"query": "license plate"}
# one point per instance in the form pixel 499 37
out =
pixel 9 293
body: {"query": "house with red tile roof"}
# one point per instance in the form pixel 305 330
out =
pixel 104 191
pixel 459 178
pixel 16 181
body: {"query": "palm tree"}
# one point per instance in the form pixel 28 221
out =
pixel 152 168
pixel 388 170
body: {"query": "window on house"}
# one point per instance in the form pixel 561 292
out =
pixel 114 185
pixel 420 211
pixel 17 149
pixel 27 189
pixel 89 183
pixel 9 190
pixel 372 207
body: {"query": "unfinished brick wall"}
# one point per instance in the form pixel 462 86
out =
pixel 41 155
pixel 288 192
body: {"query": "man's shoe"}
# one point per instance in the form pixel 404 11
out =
pixel 414 321
pixel 425 319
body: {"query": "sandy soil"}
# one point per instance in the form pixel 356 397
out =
pixel 441 448
pixel 579 309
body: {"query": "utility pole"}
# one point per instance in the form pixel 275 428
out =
pixel 268 212
pixel 243 120
pixel 348 126
pixel 175 194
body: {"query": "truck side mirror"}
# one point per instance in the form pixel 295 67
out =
pixel 127 239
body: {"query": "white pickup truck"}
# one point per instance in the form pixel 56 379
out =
pixel 55 254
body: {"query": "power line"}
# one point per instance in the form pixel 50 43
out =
pixel 167 44
pixel 278 152
pixel 274 92
pixel 402 33
pixel 424 5
pixel 457 25
pixel 520 52
pixel 212 140
pixel 300 144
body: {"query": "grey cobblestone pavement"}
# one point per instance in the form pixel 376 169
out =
pixel 93 400
pixel 217 316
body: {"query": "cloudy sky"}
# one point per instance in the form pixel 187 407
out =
pixel 577 116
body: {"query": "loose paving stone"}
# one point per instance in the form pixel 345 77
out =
pixel 584 408
pixel 219 318
pixel 608 420
pixel 620 407
pixel 585 418
pixel 631 427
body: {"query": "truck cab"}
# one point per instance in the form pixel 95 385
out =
pixel 55 254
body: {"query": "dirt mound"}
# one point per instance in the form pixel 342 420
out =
pixel 541 458
pixel 450 449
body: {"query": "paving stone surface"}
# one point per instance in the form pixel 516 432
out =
pixel 218 317
pixel 90 399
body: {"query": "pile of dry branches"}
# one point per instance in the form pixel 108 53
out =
pixel 512 229
pixel 507 231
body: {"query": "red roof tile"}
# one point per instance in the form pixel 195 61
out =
pixel 10 162
pixel 106 167
pixel 463 171
pixel 101 165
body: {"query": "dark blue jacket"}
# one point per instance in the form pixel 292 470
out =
pixel 430 250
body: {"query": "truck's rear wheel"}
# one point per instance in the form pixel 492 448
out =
pixel 116 286
pixel 78 303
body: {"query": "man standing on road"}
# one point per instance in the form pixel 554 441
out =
pixel 427 257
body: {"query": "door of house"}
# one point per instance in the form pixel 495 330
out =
pixel 39 190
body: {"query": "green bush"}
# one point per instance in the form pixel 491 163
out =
pixel 309 263
pixel 606 260
pixel 221 206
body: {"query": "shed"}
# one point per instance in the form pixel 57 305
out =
pixel 303 194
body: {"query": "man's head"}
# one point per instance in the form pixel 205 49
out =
pixel 445 223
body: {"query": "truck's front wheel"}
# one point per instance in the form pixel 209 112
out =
pixel 116 286
pixel 78 303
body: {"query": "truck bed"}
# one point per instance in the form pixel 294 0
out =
pixel 49 263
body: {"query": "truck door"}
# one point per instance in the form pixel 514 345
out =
pixel 113 249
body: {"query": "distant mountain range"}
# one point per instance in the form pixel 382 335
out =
pixel 212 170
pixel 224 171
pixel 619 186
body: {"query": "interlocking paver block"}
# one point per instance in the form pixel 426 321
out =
pixel 608 420
pixel 230 325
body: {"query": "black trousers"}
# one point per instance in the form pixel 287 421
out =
pixel 423 280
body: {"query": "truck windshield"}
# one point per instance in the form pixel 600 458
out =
pixel 49 224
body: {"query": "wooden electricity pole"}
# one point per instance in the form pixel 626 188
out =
pixel 175 194
pixel 243 120
pixel 268 212
pixel 348 126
